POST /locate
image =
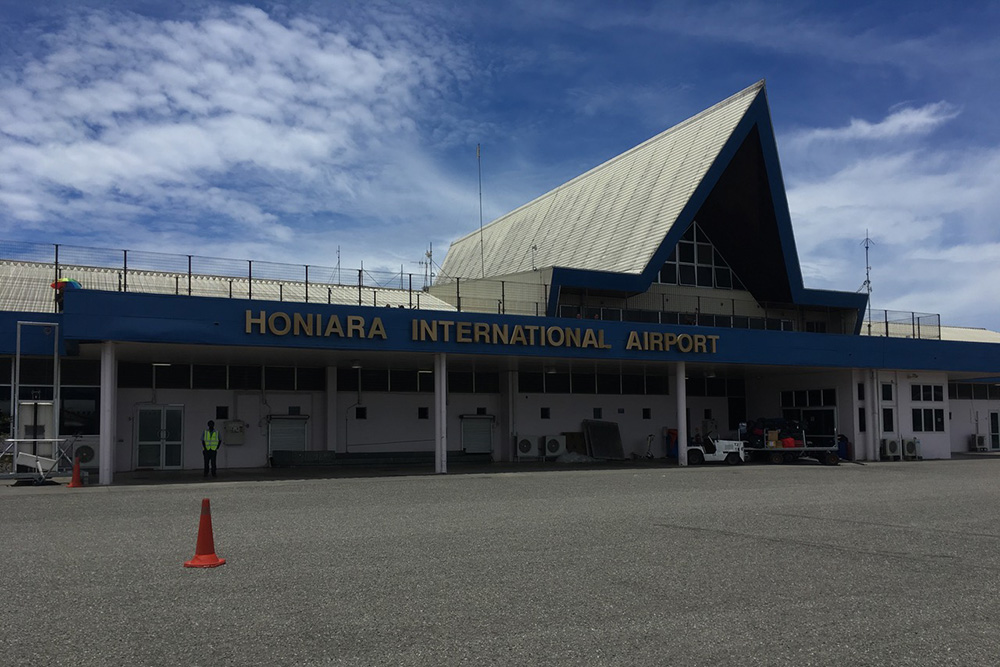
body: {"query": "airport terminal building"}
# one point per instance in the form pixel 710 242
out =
pixel 659 293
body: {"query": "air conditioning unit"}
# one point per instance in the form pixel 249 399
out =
pixel 911 449
pixel 891 450
pixel 527 447
pixel 553 445
pixel 88 448
pixel 977 443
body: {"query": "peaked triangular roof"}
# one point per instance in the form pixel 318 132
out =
pixel 615 217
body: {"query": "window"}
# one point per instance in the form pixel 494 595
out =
pixel 402 381
pixel 486 382
pixel 208 377
pixel 36 371
pixel 310 379
pixel 598 413
pixel 244 377
pixel 927 392
pixel 811 398
pixel 131 375
pixel 584 383
pixel 862 426
pixel 546 413
pixel 79 413
pixel 348 379
pixel 887 392
pixel 609 383
pixel 423 413
pixel 633 384
pixel 279 378
pixel 557 383
pixel 460 382
pixel 376 379
pixel 78 372
pixel 530 383
pixel 658 385
pixel 928 420
pixel 360 413
pixel 861 391
pixel 887 420
pixel 172 376
pixel 647 413
pixel 695 262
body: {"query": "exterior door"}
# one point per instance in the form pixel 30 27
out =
pixel 820 426
pixel 160 437
pixel 995 430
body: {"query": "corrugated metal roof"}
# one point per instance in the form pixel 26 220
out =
pixel 615 216
pixel 26 287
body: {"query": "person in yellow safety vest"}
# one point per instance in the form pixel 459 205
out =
pixel 210 443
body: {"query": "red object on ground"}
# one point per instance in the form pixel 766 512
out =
pixel 76 482
pixel 204 551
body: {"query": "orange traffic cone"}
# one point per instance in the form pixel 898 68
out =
pixel 204 551
pixel 76 482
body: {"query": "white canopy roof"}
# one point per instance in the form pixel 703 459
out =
pixel 615 216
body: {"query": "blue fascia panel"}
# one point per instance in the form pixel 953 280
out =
pixel 94 316
pixel 34 340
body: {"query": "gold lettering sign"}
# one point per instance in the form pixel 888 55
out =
pixel 654 341
pixel 282 324
pixel 313 325
pixel 521 335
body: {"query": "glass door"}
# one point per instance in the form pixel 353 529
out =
pixel 160 436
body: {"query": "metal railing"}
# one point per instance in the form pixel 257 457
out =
pixel 146 272
pixel 902 324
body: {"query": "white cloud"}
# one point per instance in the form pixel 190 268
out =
pixel 238 123
pixel 906 122
pixel 929 209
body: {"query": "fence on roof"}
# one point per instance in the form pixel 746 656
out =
pixel 30 268
pixel 902 324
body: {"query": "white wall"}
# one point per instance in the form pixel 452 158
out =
pixel 567 412
pixel 970 417
pixel 932 445
pixel 392 424
pixel 199 407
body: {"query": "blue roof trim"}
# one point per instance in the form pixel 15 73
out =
pixel 815 297
pixel 757 115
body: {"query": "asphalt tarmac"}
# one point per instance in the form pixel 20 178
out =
pixel 879 564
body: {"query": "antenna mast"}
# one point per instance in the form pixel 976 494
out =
pixel 867 286
pixel 482 249
pixel 428 265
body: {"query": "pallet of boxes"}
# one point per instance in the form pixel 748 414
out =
pixel 777 440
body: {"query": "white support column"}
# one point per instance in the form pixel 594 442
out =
pixel 440 414
pixel 872 402
pixel 331 408
pixel 109 412
pixel 508 433
pixel 680 385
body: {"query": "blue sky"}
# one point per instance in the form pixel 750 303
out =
pixel 283 131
